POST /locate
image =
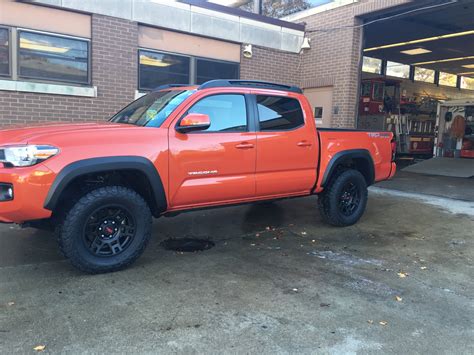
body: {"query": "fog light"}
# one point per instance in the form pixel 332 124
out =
pixel 6 192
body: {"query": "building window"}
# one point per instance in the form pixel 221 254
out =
pixel 318 112
pixel 398 70
pixel 53 58
pixel 157 68
pixel 372 65
pixel 447 79
pixel 161 68
pixel 4 52
pixel 278 113
pixel 424 75
pixel 210 69
pixel 467 83
pixel 228 113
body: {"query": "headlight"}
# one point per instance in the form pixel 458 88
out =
pixel 26 155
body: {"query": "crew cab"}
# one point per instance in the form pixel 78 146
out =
pixel 180 148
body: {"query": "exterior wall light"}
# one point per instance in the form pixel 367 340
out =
pixel 306 43
pixel 247 51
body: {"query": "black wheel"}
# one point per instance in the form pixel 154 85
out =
pixel 343 201
pixel 106 230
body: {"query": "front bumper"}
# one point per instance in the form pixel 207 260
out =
pixel 30 186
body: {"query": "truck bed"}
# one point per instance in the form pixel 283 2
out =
pixel 337 143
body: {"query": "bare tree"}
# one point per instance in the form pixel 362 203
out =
pixel 279 8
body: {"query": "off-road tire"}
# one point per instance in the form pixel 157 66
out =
pixel 329 199
pixel 70 230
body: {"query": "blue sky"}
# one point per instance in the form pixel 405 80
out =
pixel 319 2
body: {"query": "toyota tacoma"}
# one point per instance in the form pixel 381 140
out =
pixel 180 148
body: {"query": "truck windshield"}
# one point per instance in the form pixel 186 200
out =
pixel 152 109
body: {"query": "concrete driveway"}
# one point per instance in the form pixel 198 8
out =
pixel 277 281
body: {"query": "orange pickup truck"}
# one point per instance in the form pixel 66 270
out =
pixel 181 148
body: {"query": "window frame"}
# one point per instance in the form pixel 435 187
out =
pixel 250 115
pixel 10 53
pixel 139 88
pixel 57 81
pixel 257 114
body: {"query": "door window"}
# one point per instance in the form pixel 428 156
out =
pixel 278 113
pixel 228 113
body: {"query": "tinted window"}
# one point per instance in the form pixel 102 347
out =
pixel 279 113
pixel 157 69
pixel 53 58
pixel 228 113
pixel 4 52
pixel 210 70
pixel 153 109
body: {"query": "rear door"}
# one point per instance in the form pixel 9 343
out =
pixel 217 165
pixel 287 150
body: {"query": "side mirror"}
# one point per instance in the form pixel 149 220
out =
pixel 194 122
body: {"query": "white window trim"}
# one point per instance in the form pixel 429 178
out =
pixel 44 88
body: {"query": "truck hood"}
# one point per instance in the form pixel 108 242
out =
pixel 42 134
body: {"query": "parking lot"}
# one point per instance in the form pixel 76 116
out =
pixel 277 281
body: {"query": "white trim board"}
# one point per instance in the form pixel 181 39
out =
pixel 51 89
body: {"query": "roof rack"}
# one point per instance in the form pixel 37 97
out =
pixel 168 86
pixel 249 84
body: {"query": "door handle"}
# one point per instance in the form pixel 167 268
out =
pixel 304 144
pixel 244 145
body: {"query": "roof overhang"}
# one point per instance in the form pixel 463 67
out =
pixel 196 17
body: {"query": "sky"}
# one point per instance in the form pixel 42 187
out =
pixel 319 2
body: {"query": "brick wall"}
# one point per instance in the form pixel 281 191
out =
pixel 335 55
pixel 271 65
pixel 114 42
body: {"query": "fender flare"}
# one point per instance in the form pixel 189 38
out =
pixel 104 164
pixel 341 156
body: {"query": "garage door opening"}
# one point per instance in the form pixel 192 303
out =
pixel 417 80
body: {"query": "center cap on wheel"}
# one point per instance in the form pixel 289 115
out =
pixel 107 229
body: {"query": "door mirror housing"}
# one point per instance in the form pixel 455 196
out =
pixel 194 122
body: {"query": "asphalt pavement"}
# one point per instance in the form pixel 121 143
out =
pixel 277 281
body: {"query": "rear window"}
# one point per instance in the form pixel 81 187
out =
pixel 278 113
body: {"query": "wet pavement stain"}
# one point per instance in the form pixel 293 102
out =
pixel 187 245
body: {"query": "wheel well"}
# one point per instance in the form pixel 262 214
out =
pixel 83 184
pixel 360 163
pixel 363 166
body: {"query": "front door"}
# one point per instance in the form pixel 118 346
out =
pixel 217 165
